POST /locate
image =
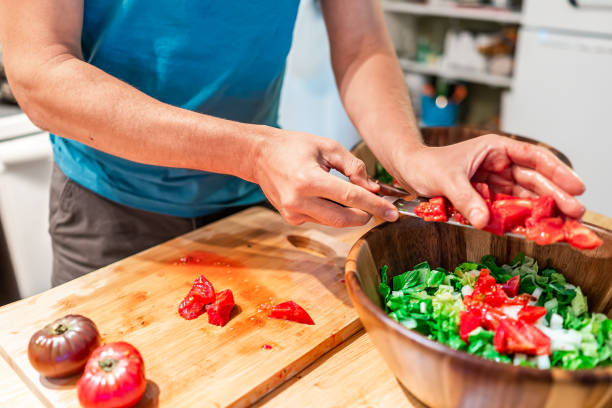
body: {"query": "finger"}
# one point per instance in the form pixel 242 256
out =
pixel 536 182
pixel 467 200
pixel 353 168
pixel 546 163
pixel 520 191
pixel 354 196
pixel 329 213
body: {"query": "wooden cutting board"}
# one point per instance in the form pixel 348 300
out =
pixel 258 256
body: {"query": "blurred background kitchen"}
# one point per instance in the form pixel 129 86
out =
pixel 538 68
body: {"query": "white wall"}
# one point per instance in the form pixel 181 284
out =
pixel 309 100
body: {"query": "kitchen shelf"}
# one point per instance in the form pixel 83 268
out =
pixel 459 74
pixel 454 11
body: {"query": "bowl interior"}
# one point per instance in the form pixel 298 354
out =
pixel 405 243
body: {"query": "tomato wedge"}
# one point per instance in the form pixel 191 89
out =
pixel 546 231
pixel 219 312
pixel 432 210
pixel 543 207
pixel 203 290
pixel 580 236
pixel 191 307
pixel 291 311
pixel 200 294
pixel 511 287
pixel 515 336
pixel 531 314
pixel 468 321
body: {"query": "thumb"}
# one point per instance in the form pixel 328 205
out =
pixel 469 203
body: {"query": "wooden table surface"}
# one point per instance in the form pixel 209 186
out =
pixel 352 374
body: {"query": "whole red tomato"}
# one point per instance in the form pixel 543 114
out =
pixel 114 377
pixel 62 348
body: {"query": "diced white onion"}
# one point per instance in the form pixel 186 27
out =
pixel 537 292
pixel 397 293
pixel 467 290
pixel 556 321
pixel 562 339
pixel 518 358
pixel 512 311
pixel 423 307
pixel 543 362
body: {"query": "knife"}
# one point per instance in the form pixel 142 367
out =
pixel 407 201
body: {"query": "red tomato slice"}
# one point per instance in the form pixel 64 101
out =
pixel 543 207
pixel 203 290
pixel 291 311
pixel 531 314
pixel 521 299
pixel 191 307
pixel 546 231
pixel 432 210
pixel 468 321
pixel 502 196
pixel 487 289
pixel 514 336
pixel 512 212
pixel 580 236
pixel 511 287
pixel 219 312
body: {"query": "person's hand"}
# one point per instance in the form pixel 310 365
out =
pixel 292 169
pixel 507 165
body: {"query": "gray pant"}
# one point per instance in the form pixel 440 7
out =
pixel 89 232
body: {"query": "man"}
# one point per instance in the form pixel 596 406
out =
pixel 163 117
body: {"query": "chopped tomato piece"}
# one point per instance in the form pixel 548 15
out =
pixel 492 317
pixel 531 314
pixel 511 287
pixel 502 196
pixel 488 290
pixel 432 210
pixel 219 312
pixel 202 289
pixel 543 207
pixel 546 231
pixel 191 307
pixel 291 311
pixel 468 321
pixel 512 212
pixel 515 336
pixel 580 236
pixel 521 299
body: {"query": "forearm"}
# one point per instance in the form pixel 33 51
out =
pixel 78 101
pixel 370 80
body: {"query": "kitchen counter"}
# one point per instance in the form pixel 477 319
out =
pixel 337 368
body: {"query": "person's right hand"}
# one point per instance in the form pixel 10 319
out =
pixel 292 169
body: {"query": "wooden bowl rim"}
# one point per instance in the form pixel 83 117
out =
pixel 560 155
pixel 556 374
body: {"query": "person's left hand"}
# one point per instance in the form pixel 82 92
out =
pixel 507 165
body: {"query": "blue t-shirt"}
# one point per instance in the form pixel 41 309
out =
pixel 224 58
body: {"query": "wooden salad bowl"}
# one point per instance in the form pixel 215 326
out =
pixel 439 376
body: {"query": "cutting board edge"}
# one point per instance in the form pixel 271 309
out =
pixel 278 379
pixel 25 379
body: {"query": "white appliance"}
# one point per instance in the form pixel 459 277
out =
pixel 25 173
pixel 562 88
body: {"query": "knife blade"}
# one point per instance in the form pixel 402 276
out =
pixel 406 202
